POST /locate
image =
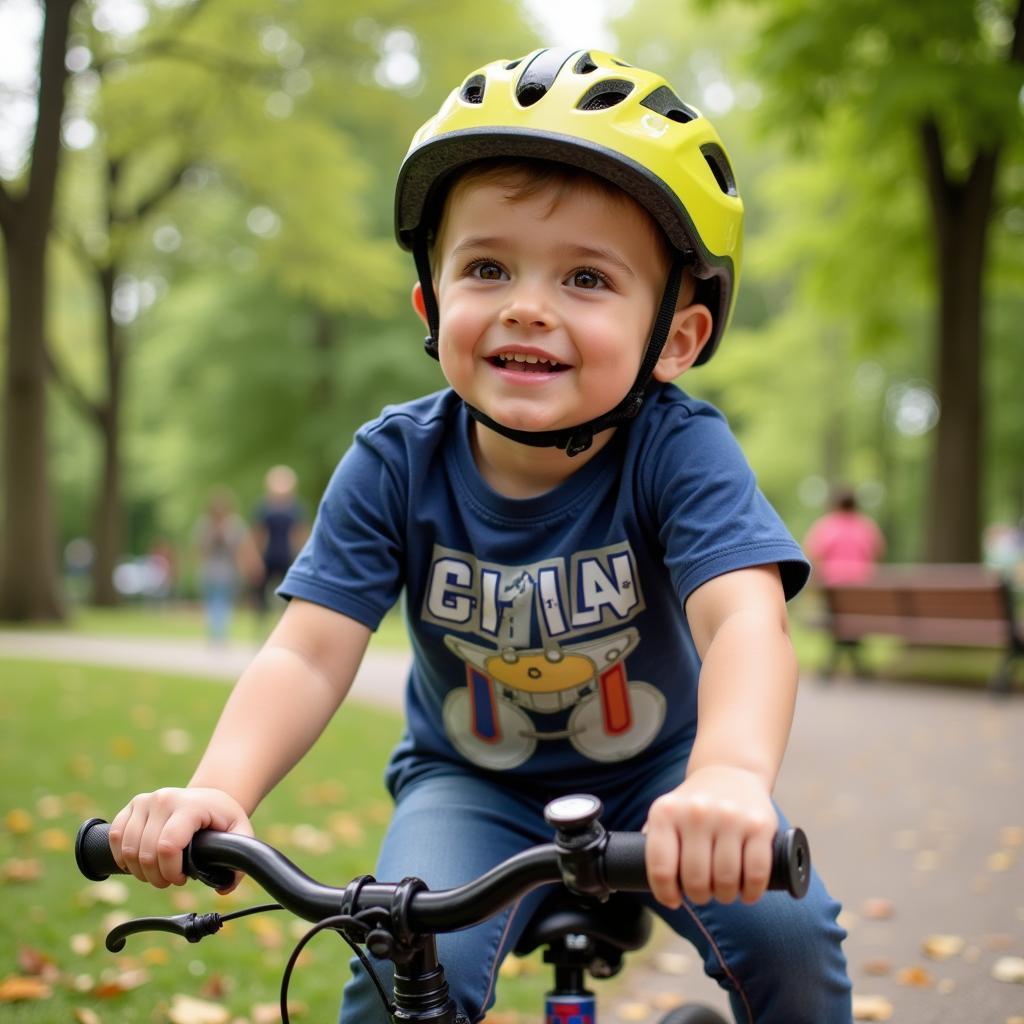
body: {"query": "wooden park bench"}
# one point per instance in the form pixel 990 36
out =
pixel 927 605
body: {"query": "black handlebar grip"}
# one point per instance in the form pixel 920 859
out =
pixel 96 862
pixel 624 866
pixel 92 851
pixel 791 863
pixel 626 871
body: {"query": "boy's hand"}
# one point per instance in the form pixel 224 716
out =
pixel 147 836
pixel 711 837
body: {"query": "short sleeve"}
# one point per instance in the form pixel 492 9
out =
pixel 712 518
pixel 353 561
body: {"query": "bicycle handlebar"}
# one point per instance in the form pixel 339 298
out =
pixel 212 857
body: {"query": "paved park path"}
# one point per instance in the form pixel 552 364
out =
pixel 912 796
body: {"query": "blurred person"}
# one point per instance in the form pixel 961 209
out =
pixel 226 558
pixel 279 530
pixel 844 545
pixel 1003 546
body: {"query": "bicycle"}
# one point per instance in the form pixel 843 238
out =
pixel 587 924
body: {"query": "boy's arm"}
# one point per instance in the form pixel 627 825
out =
pixel 711 836
pixel 276 711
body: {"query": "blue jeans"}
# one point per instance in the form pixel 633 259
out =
pixel 779 959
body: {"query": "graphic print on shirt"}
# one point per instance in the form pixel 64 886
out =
pixel 540 657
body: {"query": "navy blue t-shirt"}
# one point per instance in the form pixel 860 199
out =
pixel 548 633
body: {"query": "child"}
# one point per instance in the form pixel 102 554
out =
pixel 595 589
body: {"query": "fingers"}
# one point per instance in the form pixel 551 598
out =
pixel 707 849
pixel 147 837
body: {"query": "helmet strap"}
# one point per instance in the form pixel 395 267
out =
pixel 421 255
pixel 572 440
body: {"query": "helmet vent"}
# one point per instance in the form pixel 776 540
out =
pixel 513 64
pixel 602 95
pixel 585 65
pixel 719 164
pixel 665 102
pixel 473 90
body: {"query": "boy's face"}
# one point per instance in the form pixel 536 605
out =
pixel 545 306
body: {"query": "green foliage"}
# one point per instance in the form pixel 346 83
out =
pixel 241 182
pixel 836 310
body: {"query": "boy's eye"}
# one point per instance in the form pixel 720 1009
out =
pixel 487 270
pixel 587 278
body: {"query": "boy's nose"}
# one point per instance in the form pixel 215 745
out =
pixel 527 309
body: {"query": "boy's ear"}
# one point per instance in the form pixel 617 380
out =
pixel 691 328
pixel 418 304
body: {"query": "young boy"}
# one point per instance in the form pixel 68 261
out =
pixel 595 589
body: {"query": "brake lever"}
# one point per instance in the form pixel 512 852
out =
pixel 192 927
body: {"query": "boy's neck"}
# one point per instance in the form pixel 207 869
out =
pixel 517 470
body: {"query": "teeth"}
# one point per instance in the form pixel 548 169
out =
pixel 520 357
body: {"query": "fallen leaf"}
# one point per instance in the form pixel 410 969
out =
pixel 122 747
pixel 27 869
pixel 667 1000
pixel 671 963
pixel 82 944
pixel 86 1015
pixel 942 947
pixel 49 807
pixel 155 956
pixel 189 1010
pixel 871 1008
pixel 1011 835
pixel 270 1013
pixel 1009 968
pixel 346 827
pixel 945 986
pixel 115 984
pixel 914 977
pixel 878 966
pixel 216 986
pixel 926 860
pixel 18 822
pixel 511 967
pixel 1001 860
pixel 54 840
pixel 311 840
pixel 18 988
pixel 633 1011
pixel 110 891
pixel 176 741
pixel 878 909
pixel 37 964
pixel 268 933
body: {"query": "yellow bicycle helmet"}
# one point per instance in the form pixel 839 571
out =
pixel 593 111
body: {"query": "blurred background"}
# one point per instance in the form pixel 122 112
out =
pixel 195 202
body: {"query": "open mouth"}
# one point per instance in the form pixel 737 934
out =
pixel 518 362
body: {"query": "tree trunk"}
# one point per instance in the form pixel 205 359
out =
pixel 29 587
pixel 107 524
pixel 960 213
pixel 29 578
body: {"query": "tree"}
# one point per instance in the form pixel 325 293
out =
pixel 944 77
pixel 248 148
pixel 29 587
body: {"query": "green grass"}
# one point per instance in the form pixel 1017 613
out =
pixel 80 741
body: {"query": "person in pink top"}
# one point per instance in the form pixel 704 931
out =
pixel 844 544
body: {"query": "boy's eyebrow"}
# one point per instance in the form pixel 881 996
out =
pixel 574 251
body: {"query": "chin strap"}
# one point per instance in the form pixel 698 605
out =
pixel 572 440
